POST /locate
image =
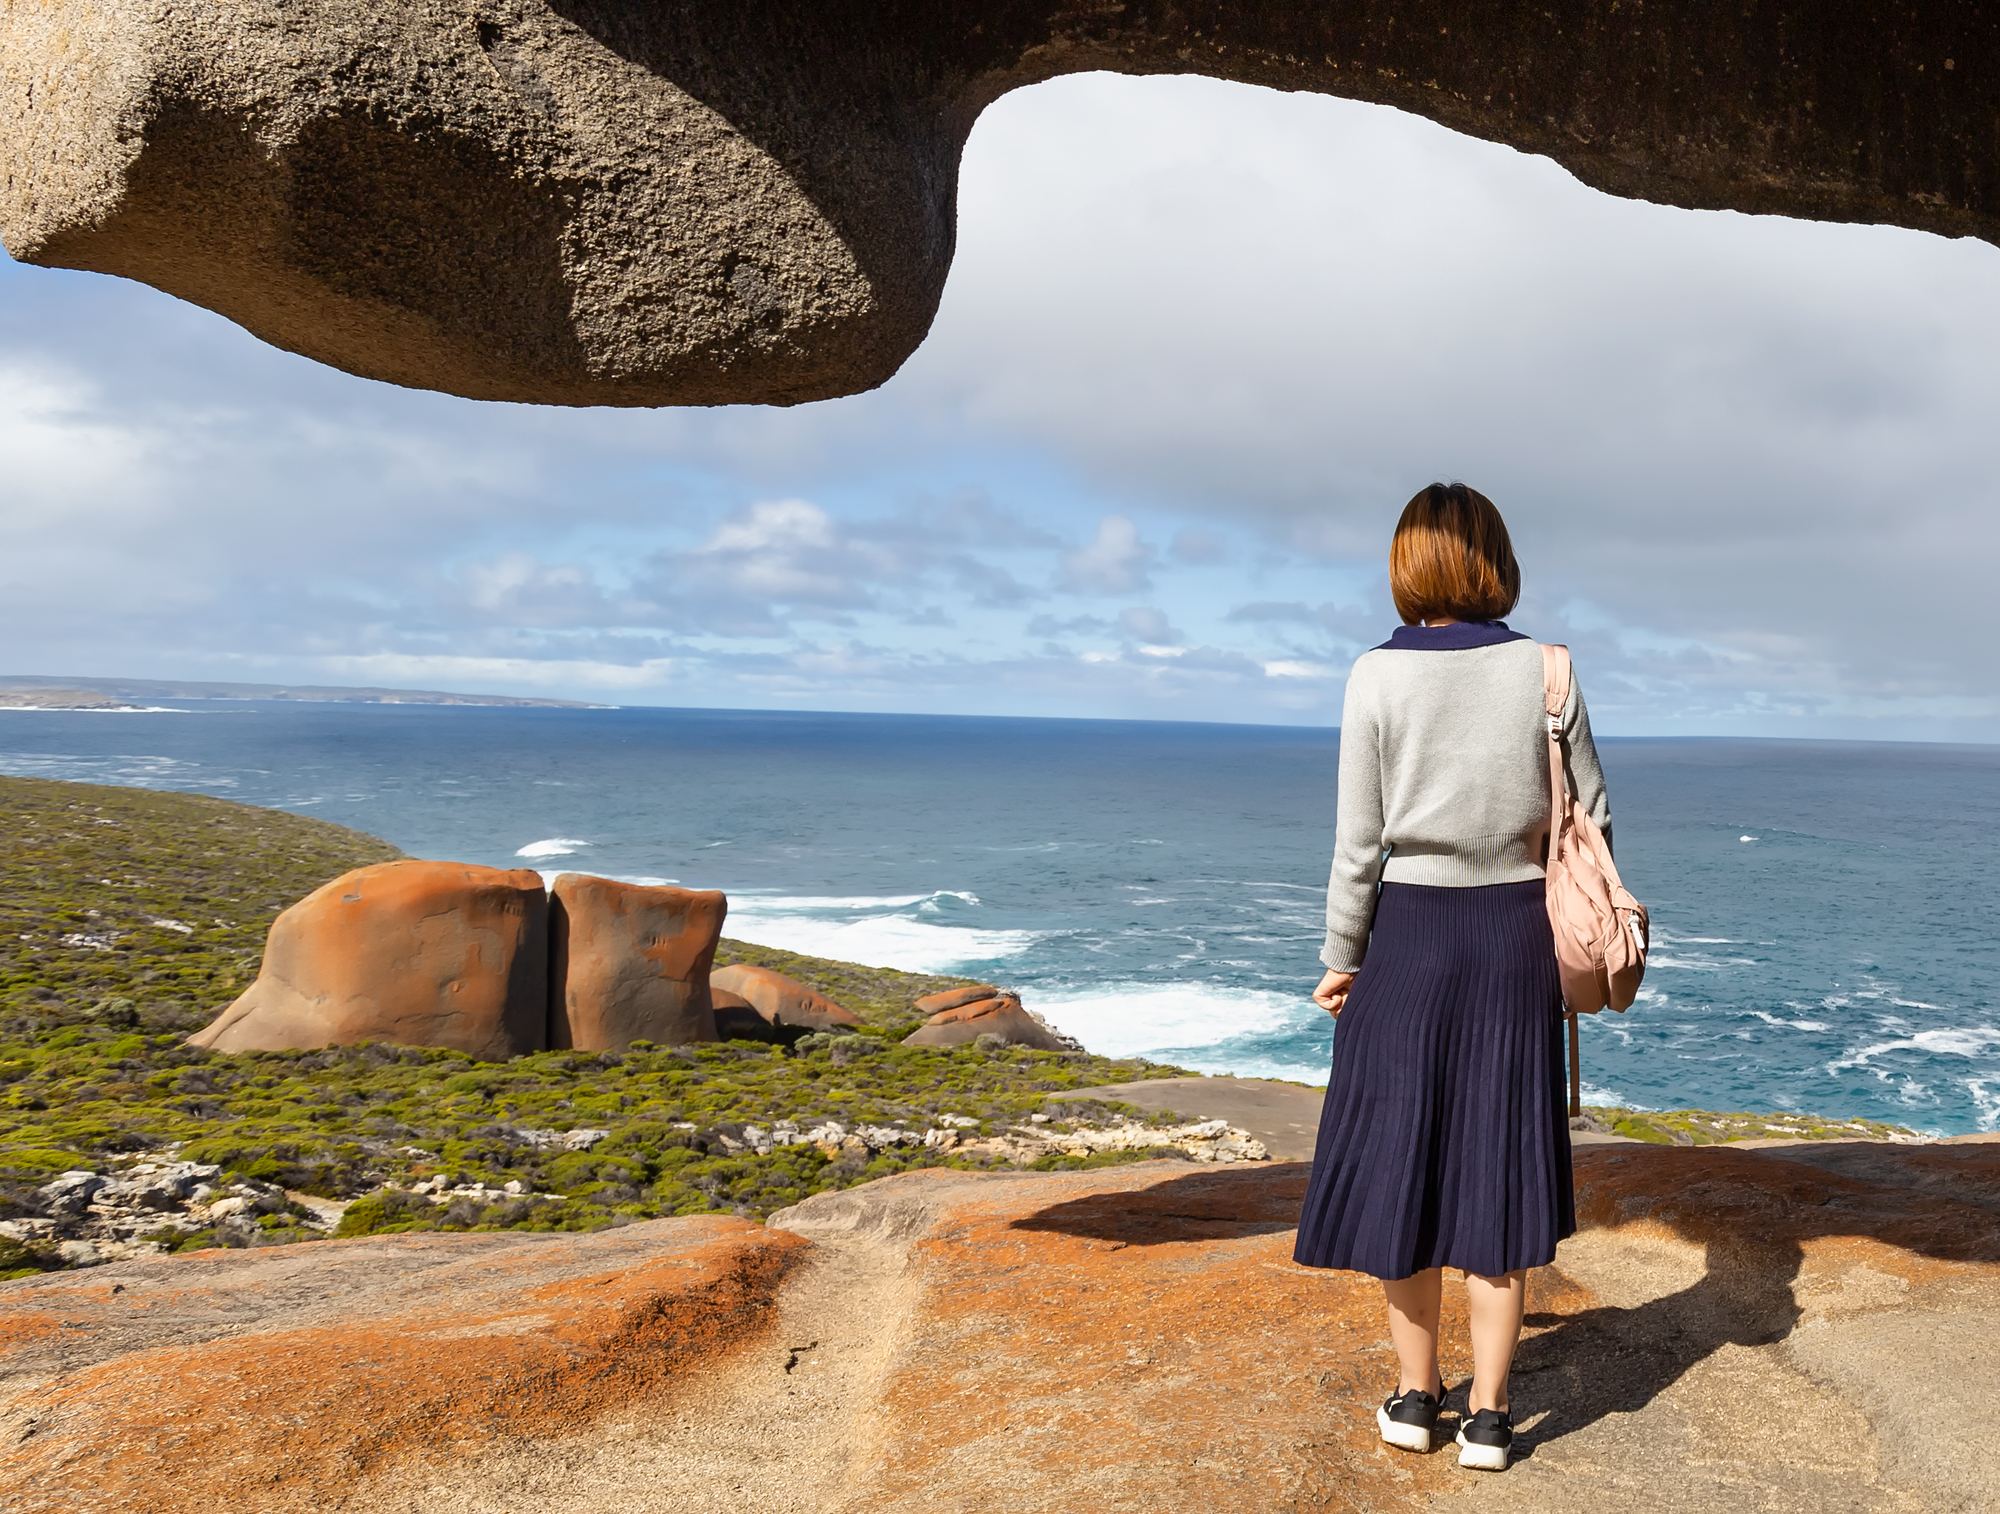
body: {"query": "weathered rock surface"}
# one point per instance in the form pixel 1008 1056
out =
pixel 780 1000
pixel 418 953
pixel 735 1016
pixel 275 1379
pixel 1000 1016
pixel 1732 1331
pixel 953 998
pixel 91 1218
pixel 1284 1116
pixel 630 963
pixel 588 202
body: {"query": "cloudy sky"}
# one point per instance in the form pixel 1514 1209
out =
pixel 1199 345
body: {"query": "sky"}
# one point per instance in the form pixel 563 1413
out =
pixel 1200 344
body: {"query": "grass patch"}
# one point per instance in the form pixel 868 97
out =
pixel 1699 1127
pixel 132 908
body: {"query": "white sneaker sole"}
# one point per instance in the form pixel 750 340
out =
pixel 1482 1458
pixel 1403 1437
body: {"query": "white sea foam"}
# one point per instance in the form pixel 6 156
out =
pixel 1198 1025
pixel 555 846
pixel 550 874
pixel 1985 1093
pixel 1606 1098
pixel 1958 1041
pixel 769 904
pixel 1771 1019
pixel 890 930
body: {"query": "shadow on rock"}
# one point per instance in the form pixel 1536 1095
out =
pixel 1211 1204
pixel 1580 1367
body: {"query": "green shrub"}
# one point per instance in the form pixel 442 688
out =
pixel 20 1259
pixel 385 1212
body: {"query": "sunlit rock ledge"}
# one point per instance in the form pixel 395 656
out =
pixel 1129 1338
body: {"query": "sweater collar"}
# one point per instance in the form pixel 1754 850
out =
pixel 1458 637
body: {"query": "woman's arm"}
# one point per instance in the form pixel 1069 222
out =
pixel 1357 833
pixel 1586 774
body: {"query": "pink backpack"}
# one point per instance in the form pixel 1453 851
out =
pixel 1600 929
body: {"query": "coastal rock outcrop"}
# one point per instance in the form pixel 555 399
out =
pixel 418 953
pixel 954 998
pixel 736 1018
pixel 1001 1015
pixel 780 1000
pixel 1131 1337
pixel 630 962
pixel 582 203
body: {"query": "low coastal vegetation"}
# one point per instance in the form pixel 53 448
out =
pixel 1698 1127
pixel 133 916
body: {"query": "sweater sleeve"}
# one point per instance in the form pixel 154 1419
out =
pixel 1586 774
pixel 1357 840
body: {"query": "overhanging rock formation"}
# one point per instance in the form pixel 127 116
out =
pixel 635 202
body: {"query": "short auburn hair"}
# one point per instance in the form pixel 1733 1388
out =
pixel 1451 558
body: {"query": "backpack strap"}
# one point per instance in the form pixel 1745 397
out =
pixel 1555 681
pixel 1555 700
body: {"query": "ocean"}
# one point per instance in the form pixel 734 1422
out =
pixel 1824 913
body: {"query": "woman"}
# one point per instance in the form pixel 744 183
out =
pixel 1444 1141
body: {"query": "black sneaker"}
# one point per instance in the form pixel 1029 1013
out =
pixel 1407 1420
pixel 1486 1439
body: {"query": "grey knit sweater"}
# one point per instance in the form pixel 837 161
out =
pixel 1444 772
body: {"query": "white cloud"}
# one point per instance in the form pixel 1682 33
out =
pixel 1285 668
pixel 785 550
pixel 477 674
pixel 1149 625
pixel 1115 562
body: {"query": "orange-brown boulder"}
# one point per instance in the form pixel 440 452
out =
pixel 418 953
pixel 736 1018
pixel 1000 1016
pixel 953 998
pixel 780 1000
pixel 629 962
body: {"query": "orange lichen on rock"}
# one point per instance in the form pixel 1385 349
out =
pixel 1140 1337
pixel 952 998
pixel 780 1000
pixel 186 1382
pixel 1000 1015
pixel 629 962
pixel 417 953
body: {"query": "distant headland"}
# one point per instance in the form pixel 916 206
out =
pixel 31 691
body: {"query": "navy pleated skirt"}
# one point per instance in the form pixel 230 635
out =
pixel 1445 1137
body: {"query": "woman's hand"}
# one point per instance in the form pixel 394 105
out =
pixel 1331 995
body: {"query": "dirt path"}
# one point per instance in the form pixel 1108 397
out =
pixel 775 1433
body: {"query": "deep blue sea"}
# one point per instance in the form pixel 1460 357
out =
pixel 1825 924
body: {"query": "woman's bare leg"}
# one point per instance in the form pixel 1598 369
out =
pixel 1413 1326
pixel 1496 1305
